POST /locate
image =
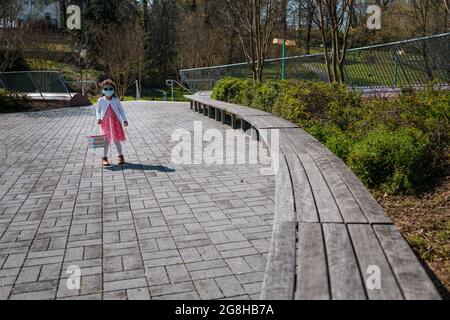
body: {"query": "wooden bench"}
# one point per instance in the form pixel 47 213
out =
pixel 330 236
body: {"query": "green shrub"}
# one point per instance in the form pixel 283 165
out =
pixel 234 90
pixel 393 160
pixel 265 95
pixel 13 102
pixel 333 138
pixel 393 144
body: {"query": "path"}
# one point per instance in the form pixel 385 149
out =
pixel 152 230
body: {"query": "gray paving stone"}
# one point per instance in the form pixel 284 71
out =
pixel 193 295
pixel 29 274
pixel 208 289
pixel 157 276
pixel 115 295
pixel 124 284
pixel 210 273
pixel 204 265
pixel 230 286
pixel 178 273
pixel 35 295
pixel 138 294
pixel 15 260
pixel 238 265
pixel 164 228
pixel 173 288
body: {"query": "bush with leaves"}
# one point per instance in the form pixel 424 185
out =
pixel 395 144
pixel 392 160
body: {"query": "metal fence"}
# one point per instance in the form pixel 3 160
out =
pixel 38 85
pixel 410 63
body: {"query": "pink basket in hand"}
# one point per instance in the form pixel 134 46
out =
pixel 96 142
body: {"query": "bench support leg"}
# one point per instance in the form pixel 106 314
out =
pixel 222 112
pixel 218 114
pixel 234 122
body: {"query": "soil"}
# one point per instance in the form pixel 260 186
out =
pixel 424 220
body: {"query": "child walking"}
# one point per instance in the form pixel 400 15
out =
pixel 110 115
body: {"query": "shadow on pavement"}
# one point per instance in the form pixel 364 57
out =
pixel 138 166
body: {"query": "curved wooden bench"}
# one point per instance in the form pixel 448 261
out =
pixel 331 239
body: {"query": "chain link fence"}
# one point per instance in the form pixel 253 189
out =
pixel 411 63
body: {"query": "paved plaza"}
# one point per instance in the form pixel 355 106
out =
pixel 148 230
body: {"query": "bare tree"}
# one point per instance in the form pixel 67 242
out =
pixel 307 11
pixel 335 18
pixel 122 59
pixel 11 35
pixel 254 22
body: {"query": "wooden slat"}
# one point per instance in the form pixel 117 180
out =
pixel 284 195
pixel 312 271
pixel 413 280
pixel 326 205
pixel 349 208
pixel 369 253
pixel 269 122
pixel 279 278
pixel 347 204
pixel 371 208
pixel 303 194
pixel 240 111
pixel 373 212
pixel 345 279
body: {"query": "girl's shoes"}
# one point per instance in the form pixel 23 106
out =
pixel 105 162
pixel 121 160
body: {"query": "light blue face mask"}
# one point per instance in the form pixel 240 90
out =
pixel 108 93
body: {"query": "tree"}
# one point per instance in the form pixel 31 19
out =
pixel 306 13
pixel 254 22
pixel 161 54
pixel 10 35
pixel 63 12
pixel 335 18
pixel 121 61
pixel 200 26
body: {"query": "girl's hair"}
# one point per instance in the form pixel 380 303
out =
pixel 109 82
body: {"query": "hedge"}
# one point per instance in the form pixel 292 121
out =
pixel 394 145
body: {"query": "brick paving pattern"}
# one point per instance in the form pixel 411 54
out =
pixel 149 230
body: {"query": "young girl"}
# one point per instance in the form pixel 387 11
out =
pixel 110 115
